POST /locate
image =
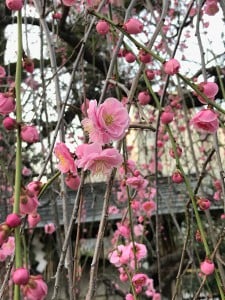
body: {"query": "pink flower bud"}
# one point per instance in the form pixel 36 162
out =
pixel 129 297
pixel 14 4
pixel 68 2
pixel 34 187
pixel 102 27
pixel 210 89
pixel 33 219
pixel 9 123
pixel 144 98
pixel 123 277
pixel 167 117
pixel 150 74
pixel 177 177
pixel 211 8
pixel 178 150
pixel 144 57
pixel 4 233
pixel 28 65
pixel 133 26
pixel 29 134
pixel 136 173
pixel 198 236
pixel 13 220
pixel 203 203
pixel 2 72
pixel 72 181
pixel 20 276
pixel 207 267
pixel 84 107
pixel 26 171
pixel 57 16
pixel 171 67
pixel 49 228
pixel 130 57
pixel 7 103
pixel 217 184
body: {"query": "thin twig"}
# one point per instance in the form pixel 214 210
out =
pixel 67 238
pixel 101 231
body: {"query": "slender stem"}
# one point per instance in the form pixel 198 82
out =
pixel 16 206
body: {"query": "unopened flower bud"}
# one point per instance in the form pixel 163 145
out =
pixel 13 220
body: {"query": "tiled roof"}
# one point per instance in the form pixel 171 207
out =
pixel 172 198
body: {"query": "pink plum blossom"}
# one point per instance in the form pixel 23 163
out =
pixel 139 280
pixel 149 287
pixel 113 210
pixel 7 248
pixel 7 103
pixel 123 229
pixel 206 120
pixel 140 251
pixel 92 157
pixel 106 122
pixel 28 203
pixel 35 289
pixel 149 207
pixel 29 134
pixel 66 161
pixel 115 256
pixel 138 230
pixel 34 187
pixel 137 182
